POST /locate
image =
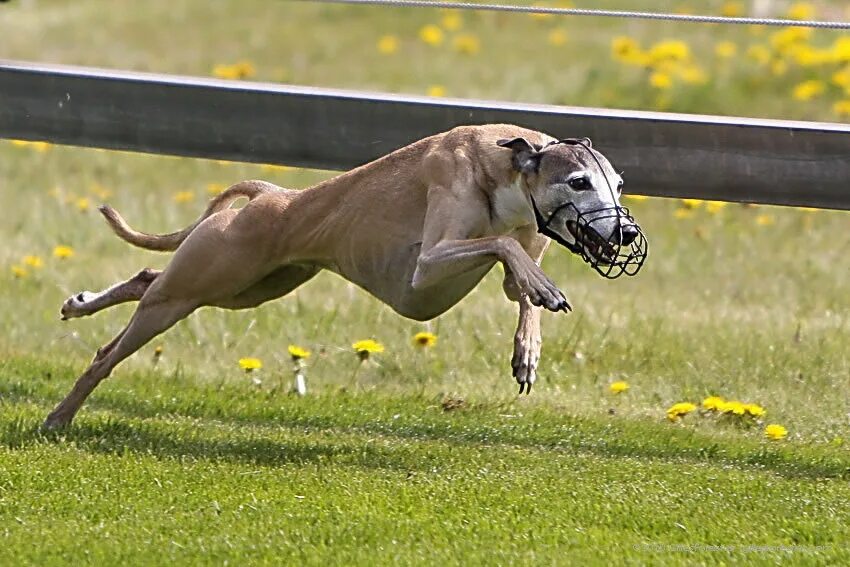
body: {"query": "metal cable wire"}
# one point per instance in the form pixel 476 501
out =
pixel 694 19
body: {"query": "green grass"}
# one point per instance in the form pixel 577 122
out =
pixel 159 472
pixel 190 460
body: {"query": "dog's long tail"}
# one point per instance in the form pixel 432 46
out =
pixel 168 242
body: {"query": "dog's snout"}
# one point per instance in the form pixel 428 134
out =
pixel 626 235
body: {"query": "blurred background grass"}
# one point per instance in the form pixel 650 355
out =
pixel 744 302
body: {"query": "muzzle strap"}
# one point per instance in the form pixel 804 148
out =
pixel 543 227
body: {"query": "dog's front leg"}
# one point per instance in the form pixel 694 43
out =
pixel 527 343
pixel 451 258
pixel 455 213
pixel 527 339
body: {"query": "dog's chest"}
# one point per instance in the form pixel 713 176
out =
pixel 510 208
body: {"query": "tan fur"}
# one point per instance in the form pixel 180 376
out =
pixel 170 242
pixel 417 229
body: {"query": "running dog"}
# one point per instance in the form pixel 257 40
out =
pixel 417 228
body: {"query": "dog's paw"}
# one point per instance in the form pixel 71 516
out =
pixel 524 361
pixel 76 305
pixel 542 292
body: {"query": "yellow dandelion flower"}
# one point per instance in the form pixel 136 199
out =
pixel 226 72
pixel 765 220
pixel 626 50
pixel 436 90
pixel 387 44
pixel 786 38
pixel 366 348
pixel 725 49
pixel 841 107
pixel 841 50
pixel 660 80
pixel 683 213
pixel 157 352
pixel 754 410
pixel 732 9
pixel 240 70
pixel 557 37
pixel 275 167
pixel 184 197
pixel 618 387
pixel 33 261
pixel 40 147
pixel 808 56
pixel 297 353
pixel 713 403
pixel 431 34
pixel 83 204
pixel 250 364
pixel 733 407
pixel 19 271
pixel 679 410
pixel 62 252
pixel 623 45
pixel 635 198
pixel 368 345
pixel 424 339
pixel 842 78
pixel 452 21
pixel 669 50
pixel 245 69
pixel 714 207
pixel 214 188
pixel 801 11
pixel 467 44
pixel 775 432
pixel 692 203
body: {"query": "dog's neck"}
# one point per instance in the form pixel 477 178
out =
pixel 510 206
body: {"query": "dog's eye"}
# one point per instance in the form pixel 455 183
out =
pixel 579 183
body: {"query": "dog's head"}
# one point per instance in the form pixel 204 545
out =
pixel 575 194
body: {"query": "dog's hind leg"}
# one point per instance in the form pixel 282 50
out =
pixel 87 302
pixel 275 285
pixel 153 316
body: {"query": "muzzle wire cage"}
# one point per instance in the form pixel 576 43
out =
pixel 621 252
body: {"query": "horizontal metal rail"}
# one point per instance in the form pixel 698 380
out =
pixel 667 155
pixel 595 13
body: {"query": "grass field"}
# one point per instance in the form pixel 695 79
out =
pixel 425 455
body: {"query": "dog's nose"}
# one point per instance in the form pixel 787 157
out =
pixel 626 235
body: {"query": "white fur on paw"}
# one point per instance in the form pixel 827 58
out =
pixel 77 304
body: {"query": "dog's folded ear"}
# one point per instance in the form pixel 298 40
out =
pixel 526 157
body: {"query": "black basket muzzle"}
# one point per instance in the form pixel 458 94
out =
pixel 622 252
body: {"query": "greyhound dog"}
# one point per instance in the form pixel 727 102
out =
pixel 417 228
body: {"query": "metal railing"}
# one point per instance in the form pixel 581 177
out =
pixel 667 155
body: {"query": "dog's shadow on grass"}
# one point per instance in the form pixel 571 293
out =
pixel 114 437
